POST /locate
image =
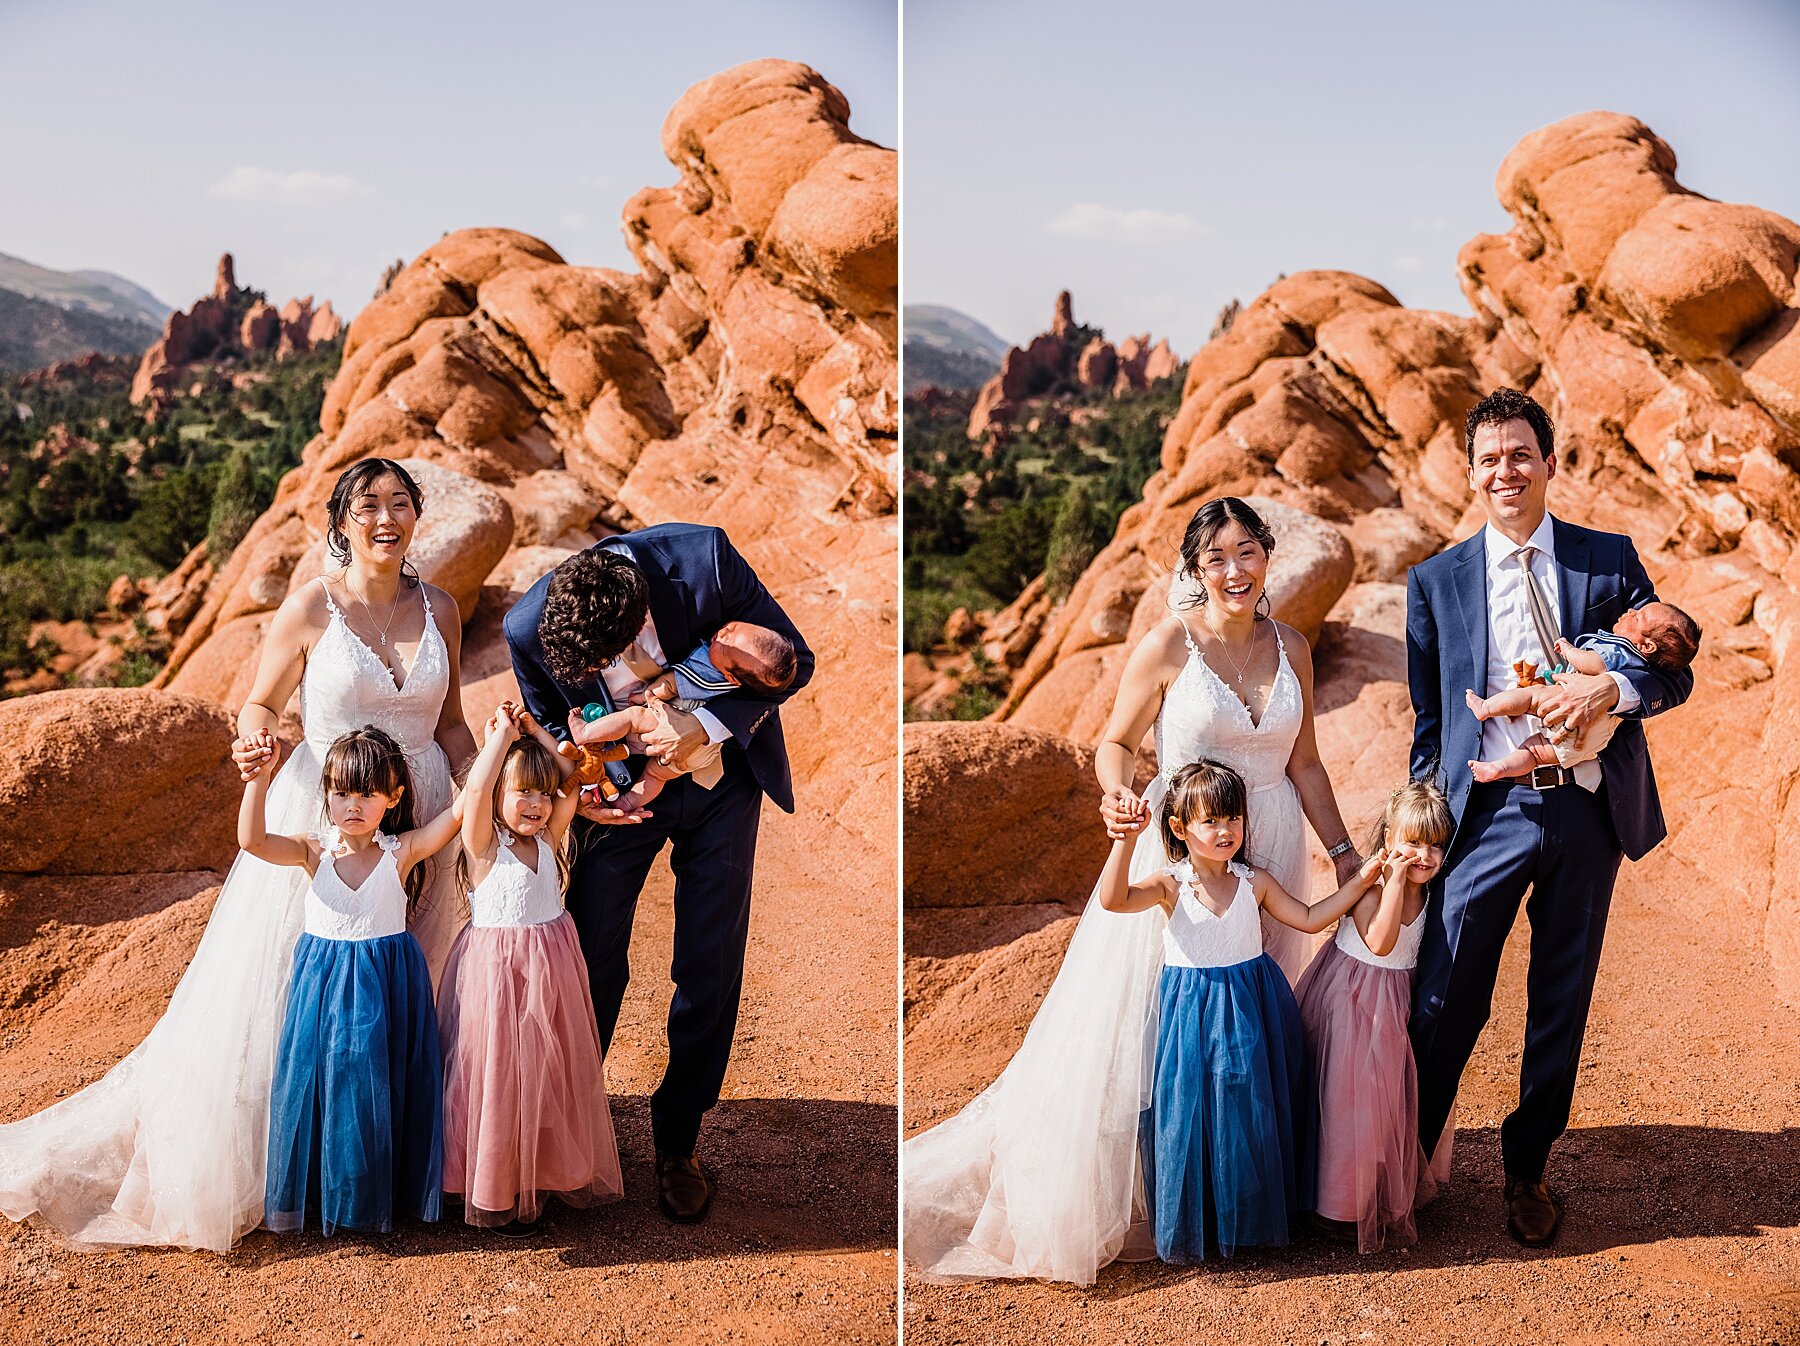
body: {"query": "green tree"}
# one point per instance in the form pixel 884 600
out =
pixel 1010 551
pixel 1073 541
pixel 235 505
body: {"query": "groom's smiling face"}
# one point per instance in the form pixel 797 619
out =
pixel 1510 476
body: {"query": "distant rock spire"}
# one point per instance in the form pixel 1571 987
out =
pixel 225 283
pixel 1065 315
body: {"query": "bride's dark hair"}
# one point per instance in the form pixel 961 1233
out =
pixel 1204 789
pixel 1208 522
pixel 355 480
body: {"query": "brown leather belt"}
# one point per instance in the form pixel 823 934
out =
pixel 1549 777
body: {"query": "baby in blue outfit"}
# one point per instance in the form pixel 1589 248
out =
pixel 1657 635
pixel 739 655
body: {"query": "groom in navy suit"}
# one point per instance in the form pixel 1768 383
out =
pixel 1504 595
pixel 582 633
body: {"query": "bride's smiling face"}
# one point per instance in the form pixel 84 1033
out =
pixel 1232 568
pixel 380 521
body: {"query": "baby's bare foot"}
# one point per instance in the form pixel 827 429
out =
pixel 1478 704
pixel 1485 772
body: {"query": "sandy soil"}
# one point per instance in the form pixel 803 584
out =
pixel 799 1246
pixel 1681 1169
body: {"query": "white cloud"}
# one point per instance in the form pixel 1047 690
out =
pixel 1407 262
pixel 302 187
pixel 1089 220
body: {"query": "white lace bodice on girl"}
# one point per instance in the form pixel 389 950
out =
pixel 1404 954
pixel 512 894
pixel 1195 937
pixel 335 910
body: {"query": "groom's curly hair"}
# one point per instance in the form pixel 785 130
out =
pixel 1509 404
pixel 594 608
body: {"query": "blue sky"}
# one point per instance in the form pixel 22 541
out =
pixel 318 142
pixel 1158 159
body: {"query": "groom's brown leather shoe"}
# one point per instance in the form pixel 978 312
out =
pixel 1532 1214
pixel 683 1189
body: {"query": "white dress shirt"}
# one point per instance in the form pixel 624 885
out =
pixel 1513 636
pixel 628 688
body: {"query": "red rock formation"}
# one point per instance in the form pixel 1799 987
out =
pixel 1062 361
pixel 747 377
pixel 1658 328
pixel 227 325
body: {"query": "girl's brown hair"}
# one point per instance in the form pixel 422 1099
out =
pixel 1417 811
pixel 1203 789
pixel 528 765
pixel 368 761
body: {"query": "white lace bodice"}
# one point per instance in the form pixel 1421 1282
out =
pixel 1404 954
pixel 347 686
pixel 511 894
pixel 335 910
pixel 1202 717
pixel 1195 937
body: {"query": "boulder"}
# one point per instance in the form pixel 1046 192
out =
pixel 117 781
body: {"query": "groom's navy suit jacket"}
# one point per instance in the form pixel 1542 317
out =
pixel 1599 578
pixel 697 582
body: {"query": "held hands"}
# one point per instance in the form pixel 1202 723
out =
pixel 1347 865
pixel 255 754
pixel 1124 814
pixel 505 721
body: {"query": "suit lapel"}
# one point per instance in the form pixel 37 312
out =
pixel 1470 580
pixel 1574 565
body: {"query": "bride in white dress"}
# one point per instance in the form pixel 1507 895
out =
pixel 169 1147
pixel 1038 1176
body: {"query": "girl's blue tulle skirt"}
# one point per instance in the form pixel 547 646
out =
pixel 1227 1141
pixel 356 1130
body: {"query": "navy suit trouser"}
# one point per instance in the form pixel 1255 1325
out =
pixel 712 835
pixel 1560 844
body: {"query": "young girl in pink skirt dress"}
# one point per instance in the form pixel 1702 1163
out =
pixel 525 1112
pixel 1355 999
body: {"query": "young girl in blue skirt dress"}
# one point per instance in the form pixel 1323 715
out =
pixel 356 1107
pixel 1226 1142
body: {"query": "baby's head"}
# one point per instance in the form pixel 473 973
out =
pixel 1203 813
pixel 754 657
pixel 1418 818
pixel 1665 635
pixel 525 794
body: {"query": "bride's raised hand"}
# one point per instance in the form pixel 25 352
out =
pixel 1123 812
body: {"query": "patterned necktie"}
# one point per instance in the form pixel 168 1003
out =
pixel 1543 616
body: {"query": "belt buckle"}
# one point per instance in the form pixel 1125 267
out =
pixel 1546 777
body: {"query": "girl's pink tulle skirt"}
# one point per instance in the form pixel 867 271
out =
pixel 1370 1166
pixel 525 1112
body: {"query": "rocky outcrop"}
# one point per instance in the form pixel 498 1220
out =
pixel 1066 360
pixel 116 782
pixel 226 326
pixel 745 377
pixel 1654 326
pixel 1659 329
